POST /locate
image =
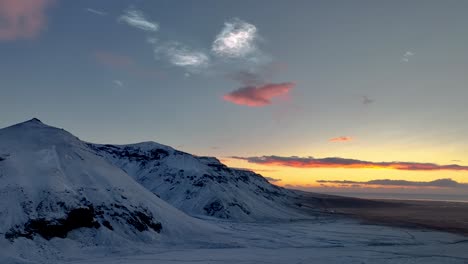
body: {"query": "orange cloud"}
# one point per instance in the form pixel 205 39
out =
pixel 340 139
pixel 335 162
pixel 442 183
pixel 21 19
pixel 259 95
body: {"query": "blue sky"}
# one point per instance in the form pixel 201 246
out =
pixel 387 76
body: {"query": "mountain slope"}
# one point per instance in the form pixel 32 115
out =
pixel 200 186
pixel 52 184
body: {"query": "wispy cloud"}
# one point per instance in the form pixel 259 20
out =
pixel 137 19
pixel 335 162
pixel 270 179
pixel 236 39
pixel 22 19
pixel 118 83
pixel 152 40
pixel 341 139
pixel 366 100
pixel 181 55
pixel 184 57
pixel 260 95
pixel 96 12
pixel 407 55
pixel 444 183
pixel 255 171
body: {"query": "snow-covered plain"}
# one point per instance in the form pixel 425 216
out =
pixel 324 240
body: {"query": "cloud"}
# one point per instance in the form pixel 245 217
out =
pixel 407 56
pixel 255 171
pixel 118 83
pixel 113 60
pixel 22 19
pixel 340 139
pixel 96 12
pixel 152 40
pixel 181 55
pixel 236 39
pixel 366 100
pixel 335 162
pixel 260 95
pixel 444 183
pixel 270 179
pixel 137 19
pixel 184 57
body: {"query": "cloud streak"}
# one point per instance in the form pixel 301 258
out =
pixel 96 12
pixel 23 19
pixel 261 95
pixel 236 39
pixel 366 100
pixel 182 56
pixel 270 179
pixel 443 183
pixel 118 83
pixel 406 56
pixel 135 18
pixel 335 162
pixel 341 139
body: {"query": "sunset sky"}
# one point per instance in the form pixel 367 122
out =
pixel 317 95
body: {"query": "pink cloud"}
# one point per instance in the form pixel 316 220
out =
pixel 20 19
pixel 340 139
pixel 259 95
pixel 337 162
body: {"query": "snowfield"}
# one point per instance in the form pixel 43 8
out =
pixel 325 240
pixel 63 200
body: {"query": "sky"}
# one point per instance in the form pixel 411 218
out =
pixel 333 96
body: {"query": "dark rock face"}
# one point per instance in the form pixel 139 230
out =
pixel 3 157
pixel 76 218
pixel 108 225
pixel 86 217
pixel 215 208
pixel 142 221
pixel 131 153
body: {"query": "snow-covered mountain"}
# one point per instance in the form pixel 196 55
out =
pixel 52 184
pixel 200 186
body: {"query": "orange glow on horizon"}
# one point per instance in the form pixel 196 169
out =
pixel 308 176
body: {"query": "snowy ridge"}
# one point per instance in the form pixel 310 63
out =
pixel 200 186
pixel 52 184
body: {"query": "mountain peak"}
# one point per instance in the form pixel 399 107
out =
pixel 32 123
pixel 35 121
